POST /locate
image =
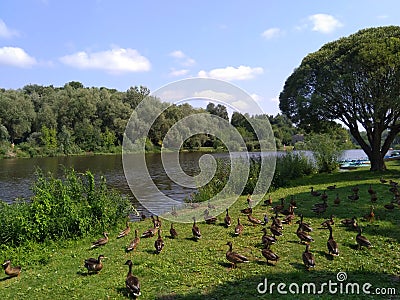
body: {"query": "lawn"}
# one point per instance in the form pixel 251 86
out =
pixel 187 269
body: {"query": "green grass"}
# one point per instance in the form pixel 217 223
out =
pixel 186 269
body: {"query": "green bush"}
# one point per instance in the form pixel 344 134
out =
pixel 63 208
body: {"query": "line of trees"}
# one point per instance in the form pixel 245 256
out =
pixel 48 120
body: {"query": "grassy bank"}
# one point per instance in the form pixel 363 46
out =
pixel 186 269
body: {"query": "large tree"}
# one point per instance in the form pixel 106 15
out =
pixel 355 80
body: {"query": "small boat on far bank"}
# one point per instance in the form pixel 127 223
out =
pixel 394 155
pixel 354 164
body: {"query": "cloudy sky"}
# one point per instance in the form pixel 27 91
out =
pixel 118 44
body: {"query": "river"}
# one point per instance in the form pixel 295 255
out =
pixel 17 175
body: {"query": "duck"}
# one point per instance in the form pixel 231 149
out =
pixel 389 206
pixel 174 212
pixel 195 230
pixel 371 190
pixel 159 243
pixel 238 228
pixel 330 222
pixel 234 257
pixel 173 232
pixel 293 202
pixel 156 222
pixel 209 205
pixel 336 201
pixel 249 200
pixel 276 221
pixel 134 243
pixel 142 216
pixel 288 219
pixel 254 220
pixel 331 243
pixel 247 210
pixel 275 231
pixel 269 254
pixel 382 180
pixel 304 226
pixel 324 195
pixel 227 219
pixel 308 258
pixel 314 193
pixel 149 232
pixel 11 271
pixel 209 219
pixel 354 196
pixel 393 183
pixel 349 222
pixel 288 211
pixel 362 240
pixel 371 216
pixel 267 239
pixel 331 187
pixel 100 242
pixel 132 282
pixel 124 232
pixel 374 198
pixel 278 208
pixel 93 264
pixel 303 236
pixel 355 189
pixel 268 201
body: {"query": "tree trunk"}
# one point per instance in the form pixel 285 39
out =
pixel 377 161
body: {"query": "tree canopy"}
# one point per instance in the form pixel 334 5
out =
pixel 355 80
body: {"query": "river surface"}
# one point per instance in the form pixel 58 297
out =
pixel 17 175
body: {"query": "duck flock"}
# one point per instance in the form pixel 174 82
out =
pixel 272 228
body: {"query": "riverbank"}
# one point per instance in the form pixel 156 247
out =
pixel 199 270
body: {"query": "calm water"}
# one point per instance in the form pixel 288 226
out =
pixel 17 175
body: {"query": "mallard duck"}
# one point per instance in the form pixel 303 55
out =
pixel 159 243
pixel 320 207
pixel 303 236
pixel 249 200
pixel 149 232
pixel 374 198
pixel 269 254
pixel 93 264
pixel 227 219
pixel 238 228
pixel 247 210
pixel 293 202
pixel 304 226
pixel 277 222
pixel 330 221
pixel 393 183
pixel 389 206
pixel 382 180
pixel 101 242
pixel 173 232
pixel 362 240
pixel 331 187
pixel 353 197
pixel 308 258
pixel 324 195
pixel 209 205
pixel 336 201
pixel 288 219
pixel 11 271
pixel 278 208
pixel 132 282
pixel 134 243
pixel 349 222
pixel 267 239
pixel 314 193
pixel 275 231
pixel 331 243
pixel 268 201
pixel 371 190
pixel 124 232
pixel 371 216
pixel 195 230
pixel 156 222
pixel 174 212
pixel 234 257
pixel 355 189
pixel 209 219
pixel 254 220
pixel 288 211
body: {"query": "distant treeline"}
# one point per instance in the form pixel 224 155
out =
pixel 46 120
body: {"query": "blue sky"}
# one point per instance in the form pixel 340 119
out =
pixel 118 44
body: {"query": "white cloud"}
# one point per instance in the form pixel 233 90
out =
pixel 182 58
pixel 6 32
pixel 272 33
pixel 17 57
pixel 324 23
pixel 232 73
pixel 215 95
pixel 257 98
pixel 180 72
pixel 117 60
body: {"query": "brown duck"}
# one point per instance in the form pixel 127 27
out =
pixel 11 271
pixel 134 243
pixel 94 265
pixel 132 282
pixel 269 254
pixel 124 232
pixel 172 231
pixel 195 230
pixel 238 228
pixel 362 240
pixel 331 243
pixel 303 236
pixel 149 232
pixel 159 243
pixel 254 220
pixel 234 257
pixel 227 219
pixel 308 258
pixel 101 242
